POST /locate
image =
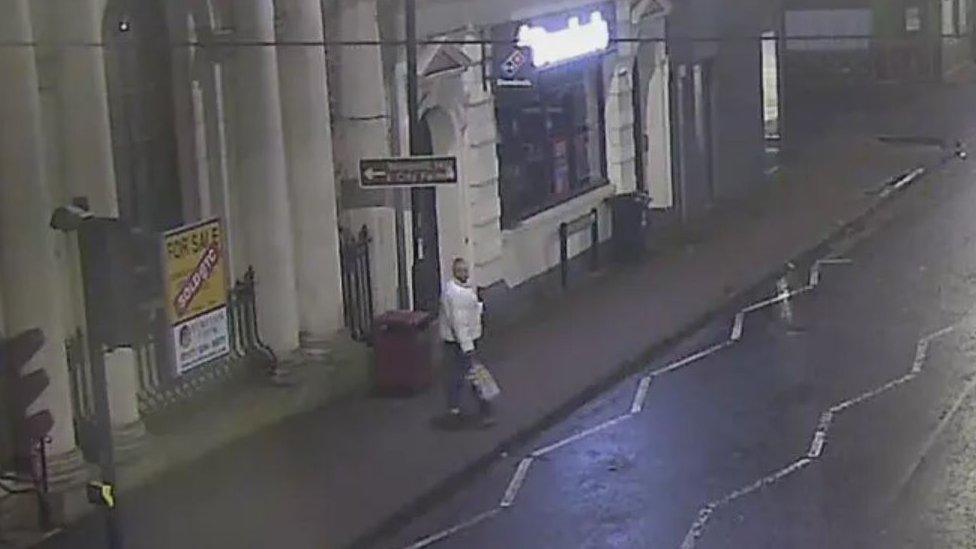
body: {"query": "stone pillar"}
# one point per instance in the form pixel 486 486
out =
pixel 362 110
pixel 128 430
pixel 364 126
pixel 311 173
pixel 29 280
pixel 261 176
pixel 88 163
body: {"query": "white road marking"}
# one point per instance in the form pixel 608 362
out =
pixel 443 534
pixel 515 484
pixel 779 298
pixel 814 276
pixel 826 420
pixel 944 331
pixel 692 358
pixel 580 435
pixel 737 326
pixel 766 481
pixel 698 527
pixel 921 351
pixel 817 444
pixel 820 438
pixel 705 514
pixel 836 261
pixel 867 395
pixel 816 269
pixel 904 180
pixel 641 396
pixel 785 309
pixel 763 304
pixel 521 472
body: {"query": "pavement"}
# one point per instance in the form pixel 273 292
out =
pixel 355 473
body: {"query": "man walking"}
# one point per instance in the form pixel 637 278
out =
pixel 460 325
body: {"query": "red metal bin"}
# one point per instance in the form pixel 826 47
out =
pixel 401 343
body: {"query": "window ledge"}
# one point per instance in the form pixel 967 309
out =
pixel 565 211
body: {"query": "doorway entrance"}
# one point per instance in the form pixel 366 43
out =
pixel 426 243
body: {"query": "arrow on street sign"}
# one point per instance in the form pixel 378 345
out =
pixel 417 171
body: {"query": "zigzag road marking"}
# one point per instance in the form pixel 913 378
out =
pixel 522 470
pixel 819 440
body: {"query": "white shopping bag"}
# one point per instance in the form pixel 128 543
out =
pixel 483 381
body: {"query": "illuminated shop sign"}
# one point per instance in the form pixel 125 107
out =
pixel 526 47
pixel 574 41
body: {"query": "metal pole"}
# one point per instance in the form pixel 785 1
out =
pixel 410 19
pixel 89 241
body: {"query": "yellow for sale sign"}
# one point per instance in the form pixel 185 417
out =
pixel 196 293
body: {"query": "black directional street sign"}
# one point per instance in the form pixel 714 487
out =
pixel 418 171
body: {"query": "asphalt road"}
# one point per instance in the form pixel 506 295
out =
pixel 734 434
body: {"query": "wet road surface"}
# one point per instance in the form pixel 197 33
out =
pixel 709 432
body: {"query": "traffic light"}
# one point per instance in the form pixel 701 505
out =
pixel 25 388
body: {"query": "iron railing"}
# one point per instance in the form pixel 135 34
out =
pixel 159 387
pixel 589 222
pixel 357 283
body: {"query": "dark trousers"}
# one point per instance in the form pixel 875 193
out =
pixel 458 364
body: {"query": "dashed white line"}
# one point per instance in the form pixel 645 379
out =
pixel 515 484
pixel 641 396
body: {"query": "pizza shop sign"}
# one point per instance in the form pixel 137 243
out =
pixel 550 41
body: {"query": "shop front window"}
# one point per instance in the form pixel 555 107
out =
pixel 552 145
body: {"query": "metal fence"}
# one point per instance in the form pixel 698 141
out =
pixel 159 387
pixel 357 283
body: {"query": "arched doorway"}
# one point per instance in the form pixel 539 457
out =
pixel 139 79
pixel 426 235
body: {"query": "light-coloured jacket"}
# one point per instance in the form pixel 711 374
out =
pixel 460 319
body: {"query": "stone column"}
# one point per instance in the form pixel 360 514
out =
pixel 29 280
pixel 88 157
pixel 362 110
pixel 88 163
pixel 621 154
pixel 261 176
pixel 311 173
pixel 363 122
pixel 128 430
